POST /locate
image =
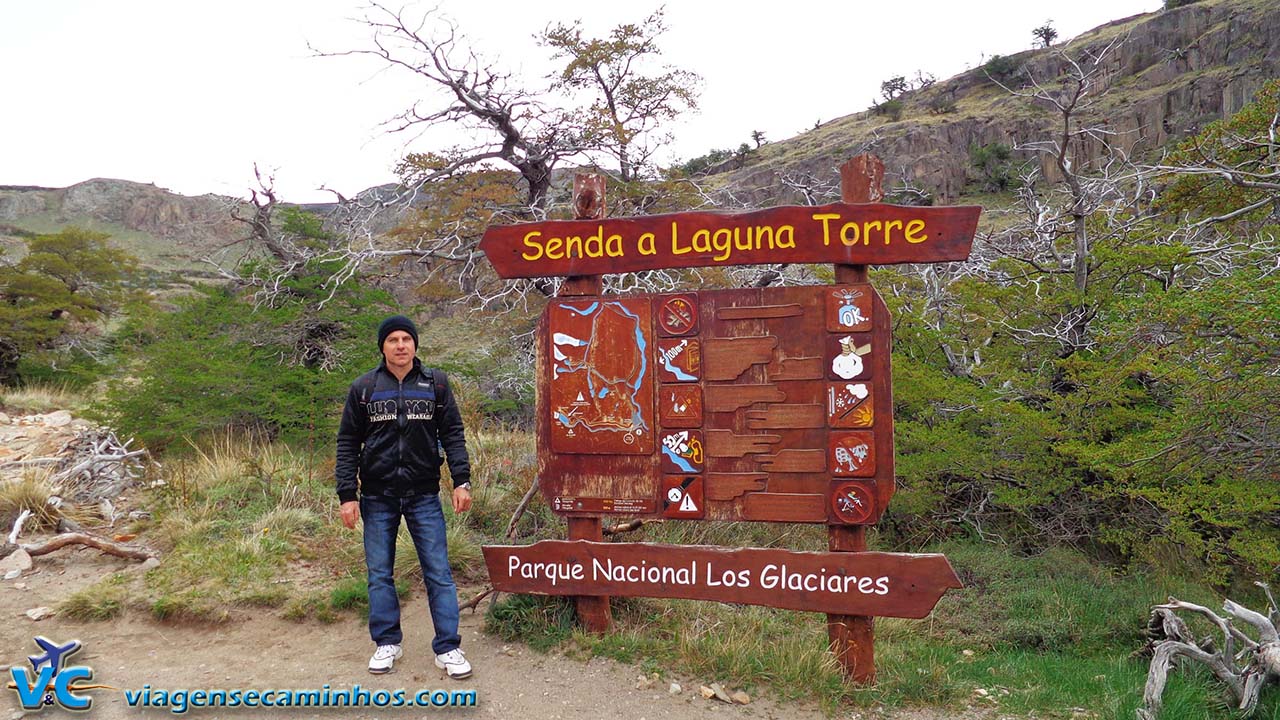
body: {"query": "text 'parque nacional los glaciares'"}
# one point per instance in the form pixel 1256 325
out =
pixel 837 233
pixel 884 584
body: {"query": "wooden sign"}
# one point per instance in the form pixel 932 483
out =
pixel 837 233
pixel 751 404
pixel 758 404
pixel 871 583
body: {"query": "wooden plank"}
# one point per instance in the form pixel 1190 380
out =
pixel 728 486
pixel 758 312
pixel 799 368
pixel 795 461
pixel 787 417
pixel 728 398
pixel 852 637
pixel 725 443
pixel 725 359
pixel 593 608
pixel 836 233
pixel 784 507
pixel 871 583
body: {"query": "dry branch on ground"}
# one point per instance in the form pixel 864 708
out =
pixel 1244 673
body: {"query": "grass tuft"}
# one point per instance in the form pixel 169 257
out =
pixel 106 599
pixel 541 622
pixel 40 398
pixel 29 492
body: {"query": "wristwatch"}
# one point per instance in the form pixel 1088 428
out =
pixel 463 486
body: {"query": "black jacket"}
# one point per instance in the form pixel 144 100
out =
pixel 391 433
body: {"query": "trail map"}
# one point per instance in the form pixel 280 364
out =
pixel 601 377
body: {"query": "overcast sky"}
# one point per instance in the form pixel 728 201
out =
pixel 189 95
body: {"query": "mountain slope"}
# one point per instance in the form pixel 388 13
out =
pixel 1173 72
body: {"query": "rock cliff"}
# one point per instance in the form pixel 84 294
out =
pixel 1171 73
pixel 165 229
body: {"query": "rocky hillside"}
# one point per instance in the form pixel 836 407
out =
pixel 1172 72
pixel 164 229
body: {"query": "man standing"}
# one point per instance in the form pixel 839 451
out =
pixel 397 418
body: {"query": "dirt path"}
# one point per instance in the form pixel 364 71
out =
pixel 267 652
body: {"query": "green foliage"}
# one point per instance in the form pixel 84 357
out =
pixel 57 292
pixel 893 87
pixel 702 164
pixel 542 622
pixel 104 600
pixel 1133 417
pixel 300 223
pixel 994 165
pixel 1001 68
pixel 1049 631
pixel 1045 34
pixel 220 362
pixel 1175 4
pixel 628 105
pixel 891 109
pixel 1197 451
pixel 1239 143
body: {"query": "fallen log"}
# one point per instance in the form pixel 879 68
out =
pixel 111 547
pixel 1244 683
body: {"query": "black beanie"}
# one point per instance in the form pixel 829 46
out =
pixel 394 323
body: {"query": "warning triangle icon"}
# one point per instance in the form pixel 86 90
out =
pixel 580 398
pixel 686 505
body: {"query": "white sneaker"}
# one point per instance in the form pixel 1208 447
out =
pixel 384 658
pixel 454 663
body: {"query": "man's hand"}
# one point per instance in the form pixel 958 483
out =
pixel 351 512
pixel 461 499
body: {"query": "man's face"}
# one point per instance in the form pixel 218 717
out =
pixel 398 348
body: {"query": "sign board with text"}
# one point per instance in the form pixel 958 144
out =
pixel 755 404
pixel 768 404
pixel 838 233
pixel 869 583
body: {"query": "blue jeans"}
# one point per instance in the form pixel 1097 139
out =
pixel 422 513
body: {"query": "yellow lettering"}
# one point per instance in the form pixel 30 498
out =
pixel 594 245
pixel 613 246
pixel 646 244
pixel 702 241
pixel 675 241
pixel 743 243
pixel 844 234
pixel 530 241
pixel 572 243
pixel 722 241
pixel 553 248
pixel 787 237
pixel 866 230
pixel 914 227
pixel 762 232
pixel 825 219
pixel 888 228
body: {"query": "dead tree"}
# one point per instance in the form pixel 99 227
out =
pixel 512 125
pixel 1243 673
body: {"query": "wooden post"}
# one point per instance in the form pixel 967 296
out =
pixel 588 204
pixel 853 636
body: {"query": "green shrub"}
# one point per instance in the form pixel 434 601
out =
pixel 1001 68
pixel 219 363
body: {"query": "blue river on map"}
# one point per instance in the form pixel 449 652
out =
pixel 637 418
